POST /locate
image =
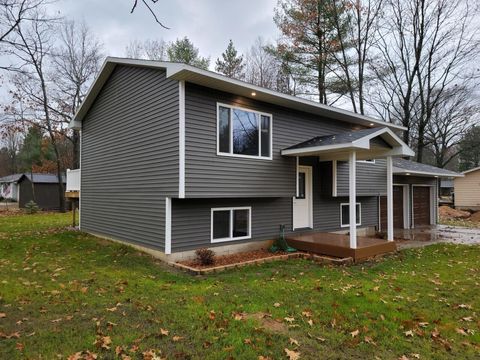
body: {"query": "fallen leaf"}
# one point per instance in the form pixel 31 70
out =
pixel 103 342
pixel 164 332
pixel 276 305
pixel 177 338
pixel 310 322
pixel 294 342
pixel 289 319
pixel 3 315
pixel 355 333
pixel 467 318
pixel 461 332
pixel 292 355
pixel 19 346
pixel 409 333
pixel 212 315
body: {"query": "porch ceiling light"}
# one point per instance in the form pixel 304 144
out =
pixel 254 93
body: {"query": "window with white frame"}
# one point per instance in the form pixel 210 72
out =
pixel 230 224
pixel 345 214
pixel 370 161
pixel 244 133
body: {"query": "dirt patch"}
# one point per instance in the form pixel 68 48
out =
pixel 475 217
pixel 446 212
pixel 266 322
pixel 233 259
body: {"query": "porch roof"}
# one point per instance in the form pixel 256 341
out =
pixel 368 143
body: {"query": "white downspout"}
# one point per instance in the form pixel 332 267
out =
pixel 352 176
pixel 389 199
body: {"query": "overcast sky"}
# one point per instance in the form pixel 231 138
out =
pixel 208 23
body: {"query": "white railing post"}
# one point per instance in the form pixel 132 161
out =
pixel 352 176
pixel 389 198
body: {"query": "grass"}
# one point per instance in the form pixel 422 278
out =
pixel 62 291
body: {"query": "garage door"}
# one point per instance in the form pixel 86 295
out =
pixel 397 209
pixel 421 205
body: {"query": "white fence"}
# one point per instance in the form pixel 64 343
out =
pixel 73 180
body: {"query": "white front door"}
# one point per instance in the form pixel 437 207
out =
pixel 303 202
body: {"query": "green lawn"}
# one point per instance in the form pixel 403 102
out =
pixel 63 291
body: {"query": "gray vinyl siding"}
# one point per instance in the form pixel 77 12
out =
pixel 129 157
pixel 210 175
pixel 371 178
pixel 191 218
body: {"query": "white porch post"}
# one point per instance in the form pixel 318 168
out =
pixel 389 199
pixel 352 176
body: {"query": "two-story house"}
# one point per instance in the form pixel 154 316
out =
pixel 175 158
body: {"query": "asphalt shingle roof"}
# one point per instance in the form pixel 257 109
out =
pixel 413 166
pixel 37 178
pixel 342 138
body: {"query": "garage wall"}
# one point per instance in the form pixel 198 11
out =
pixel 419 180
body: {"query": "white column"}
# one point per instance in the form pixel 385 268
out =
pixel 389 199
pixel 352 176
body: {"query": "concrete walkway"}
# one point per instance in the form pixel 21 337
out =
pixel 410 238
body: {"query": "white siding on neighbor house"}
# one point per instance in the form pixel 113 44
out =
pixel 467 190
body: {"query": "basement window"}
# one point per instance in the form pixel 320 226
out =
pixel 229 224
pixel 345 214
pixel 243 133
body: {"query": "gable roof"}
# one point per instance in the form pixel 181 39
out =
pixel 37 178
pixel 191 74
pixel 358 140
pixel 471 170
pixel 407 167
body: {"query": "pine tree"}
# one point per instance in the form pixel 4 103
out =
pixel 183 50
pixel 232 64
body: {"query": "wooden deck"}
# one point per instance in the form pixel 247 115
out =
pixel 338 245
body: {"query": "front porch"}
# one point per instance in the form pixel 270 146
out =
pixel 338 245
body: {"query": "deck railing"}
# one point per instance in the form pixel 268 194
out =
pixel 73 180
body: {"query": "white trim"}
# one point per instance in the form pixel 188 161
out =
pixel 352 197
pixel 231 238
pixel 401 171
pixel 334 178
pixel 389 198
pixel 296 175
pixel 181 139
pixel 259 113
pixel 367 161
pixel 80 190
pixel 359 214
pixel 168 225
pixel 471 170
pixel 309 172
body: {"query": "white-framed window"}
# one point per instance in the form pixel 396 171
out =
pixel 345 214
pixel 243 133
pixel 370 161
pixel 231 223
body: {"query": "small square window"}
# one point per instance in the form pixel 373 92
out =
pixel 230 224
pixel 345 214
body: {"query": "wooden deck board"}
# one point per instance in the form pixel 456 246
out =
pixel 338 245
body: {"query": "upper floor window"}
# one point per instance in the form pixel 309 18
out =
pixel 243 133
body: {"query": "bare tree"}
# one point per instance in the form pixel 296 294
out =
pixel 13 12
pixel 452 117
pixel 76 61
pixel 150 9
pixel 148 49
pixel 354 46
pixel 426 48
pixel 261 66
pixel 32 46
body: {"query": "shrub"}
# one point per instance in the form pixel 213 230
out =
pixel 205 256
pixel 31 207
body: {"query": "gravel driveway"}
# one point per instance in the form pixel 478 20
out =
pixel 437 234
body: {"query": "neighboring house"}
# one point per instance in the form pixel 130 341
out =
pixel 18 188
pixel 446 187
pixel 467 190
pixel 174 158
